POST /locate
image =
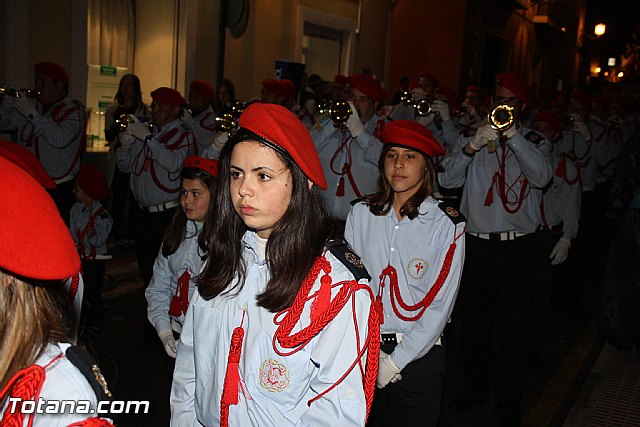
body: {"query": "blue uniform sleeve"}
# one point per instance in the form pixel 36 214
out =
pixel 171 159
pixel 535 161
pixel 183 389
pixel 158 294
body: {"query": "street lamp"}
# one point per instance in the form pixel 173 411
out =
pixel 600 29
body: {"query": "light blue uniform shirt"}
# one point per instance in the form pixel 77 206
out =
pixel 416 249
pixel 524 159
pixel 80 215
pixel 156 163
pixel 364 152
pixel 275 388
pixel 63 382
pixel 561 200
pixel 203 127
pixel 167 271
pixel 54 136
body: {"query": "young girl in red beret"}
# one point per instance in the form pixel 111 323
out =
pixel 90 225
pixel 280 331
pixel 182 253
pixel 413 245
pixel 39 367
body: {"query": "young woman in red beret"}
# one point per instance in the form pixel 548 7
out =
pixel 39 368
pixel 413 245
pixel 183 250
pixel 281 330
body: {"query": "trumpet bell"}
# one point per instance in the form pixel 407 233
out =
pixel 339 112
pixel 502 117
pixel 238 108
pixel 422 107
pixel 226 122
pixel 122 121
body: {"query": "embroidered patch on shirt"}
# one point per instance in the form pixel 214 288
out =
pixel 274 376
pixel 417 267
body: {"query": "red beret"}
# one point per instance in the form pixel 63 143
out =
pixel 93 182
pixel 450 94
pixel 208 165
pixel 204 89
pixel 288 87
pixel 27 161
pixel 340 79
pixel 282 128
pixel 476 89
pixel 168 96
pixel 515 85
pixel 36 243
pixel 411 134
pixel 275 87
pixel 431 77
pixel 582 98
pixel 367 85
pixel 52 70
pixel 551 119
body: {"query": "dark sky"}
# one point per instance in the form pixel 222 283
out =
pixel 620 16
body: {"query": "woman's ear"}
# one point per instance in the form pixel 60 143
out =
pixel 309 184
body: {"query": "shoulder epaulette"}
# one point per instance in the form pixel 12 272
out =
pixel 90 370
pixel 358 200
pixel 348 257
pixel 534 137
pixel 103 214
pixel 452 212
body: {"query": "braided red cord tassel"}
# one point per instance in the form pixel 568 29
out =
pixel 24 385
pixel 92 422
pixel 180 301
pixel 232 376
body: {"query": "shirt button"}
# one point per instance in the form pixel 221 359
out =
pixel 396 227
pixel 393 249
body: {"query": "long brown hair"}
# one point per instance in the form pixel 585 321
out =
pixel 177 231
pixel 382 201
pixel 30 318
pixel 293 246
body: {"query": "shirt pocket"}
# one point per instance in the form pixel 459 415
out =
pixel 206 321
pixel 419 267
pixel 283 380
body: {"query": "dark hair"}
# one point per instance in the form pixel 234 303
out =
pixel 382 201
pixel 294 244
pixel 136 84
pixel 176 232
pixel 228 85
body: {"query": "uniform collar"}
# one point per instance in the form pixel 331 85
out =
pixel 427 212
pixel 249 240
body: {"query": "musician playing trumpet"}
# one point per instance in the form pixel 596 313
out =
pixel 501 201
pixel 51 126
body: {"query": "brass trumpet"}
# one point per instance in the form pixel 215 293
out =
pixel 422 107
pixel 17 92
pixel 502 117
pixel 227 123
pixel 339 113
pixel 406 96
pixel 238 108
pixel 123 120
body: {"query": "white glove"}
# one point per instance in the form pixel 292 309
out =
pixel 26 107
pixel 509 133
pixel 137 128
pixel 169 343
pixel 441 108
pixel 219 139
pixel 560 251
pixel 126 140
pixel 582 128
pixel 354 124
pixel 482 137
pixel 388 371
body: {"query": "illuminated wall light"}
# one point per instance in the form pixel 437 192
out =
pixel 600 29
pixel 606 74
pixel 611 62
pixel 620 74
pixel 597 70
pixel 563 29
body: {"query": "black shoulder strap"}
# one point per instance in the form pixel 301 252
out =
pixel 358 200
pixel 341 250
pixel 450 210
pixel 89 368
pixel 534 137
